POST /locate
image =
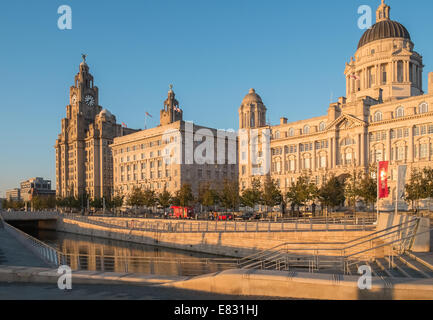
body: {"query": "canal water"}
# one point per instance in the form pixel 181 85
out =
pixel 99 254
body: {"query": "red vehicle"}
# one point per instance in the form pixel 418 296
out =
pixel 181 212
pixel 225 216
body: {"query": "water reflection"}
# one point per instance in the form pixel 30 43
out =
pixel 98 254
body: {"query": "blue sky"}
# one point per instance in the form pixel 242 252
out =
pixel 213 51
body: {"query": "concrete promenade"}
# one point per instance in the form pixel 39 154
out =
pixel 237 283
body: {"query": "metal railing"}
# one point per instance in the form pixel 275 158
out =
pixel 45 252
pixel 335 255
pixel 192 226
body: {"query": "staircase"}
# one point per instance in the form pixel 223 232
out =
pixel 387 252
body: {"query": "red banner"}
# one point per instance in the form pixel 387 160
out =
pixel 382 182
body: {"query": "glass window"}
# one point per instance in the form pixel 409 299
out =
pixel 423 107
pixel 378 116
pixel 306 129
pixel 399 112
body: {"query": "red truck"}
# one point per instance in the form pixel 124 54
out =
pixel 181 212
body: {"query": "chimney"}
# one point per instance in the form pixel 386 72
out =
pixel 283 120
pixel 430 83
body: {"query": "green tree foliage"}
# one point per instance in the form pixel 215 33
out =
pixel 251 196
pixel 301 192
pixel 207 196
pixel 164 199
pixel 417 187
pixel 149 198
pixel 184 195
pixel 136 198
pixel 331 193
pixel 271 194
pixel 368 186
pixel 229 194
pixel 352 188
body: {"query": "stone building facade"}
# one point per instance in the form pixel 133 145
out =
pixel 172 154
pixel 385 115
pixel 84 162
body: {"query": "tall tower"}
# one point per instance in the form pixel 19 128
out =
pixel 171 112
pixel 386 66
pixel 252 112
pixel 83 157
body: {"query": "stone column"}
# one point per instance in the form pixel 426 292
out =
pixel 298 167
pixel 314 165
pixel 388 145
pixel 411 144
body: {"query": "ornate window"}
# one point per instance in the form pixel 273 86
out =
pixel 399 112
pixel 322 126
pixel 423 107
pixel 306 129
pixel 277 135
pixel 378 116
pixel 291 132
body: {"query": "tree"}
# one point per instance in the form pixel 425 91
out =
pixel 352 190
pixel 149 198
pixel 301 192
pixel 331 193
pixel 417 188
pixel 251 196
pixel 271 195
pixel 135 198
pixel 368 186
pixel 184 195
pixel 229 194
pixel 164 199
pixel 206 195
pixel 96 203
pixel 116 202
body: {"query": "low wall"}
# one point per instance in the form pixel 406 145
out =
pixel 232 244
pixel 422 239
pixel 307 286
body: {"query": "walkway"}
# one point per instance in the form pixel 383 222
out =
pixel 13 253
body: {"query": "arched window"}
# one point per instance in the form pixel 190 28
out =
pixel 291 132
pixel 322 126
pixel 399 112
pixel 378 116
pixel 423 107
pixel 306 129
pixel 277 135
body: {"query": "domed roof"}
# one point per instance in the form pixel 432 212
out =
pixel 382 30
pixel 252 97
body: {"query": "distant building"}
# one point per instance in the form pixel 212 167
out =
pixel 1 202
pixel 13 194
pixel 167 156
pixel 36 187
pixel 84 163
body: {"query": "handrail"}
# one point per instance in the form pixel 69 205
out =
pixel 379 234
pixel 45 252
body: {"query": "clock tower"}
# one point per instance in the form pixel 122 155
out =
pixel 84 164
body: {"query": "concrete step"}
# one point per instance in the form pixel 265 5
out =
pixel 403 268
pixel 390 272
pixel 416 265
pixel 424 258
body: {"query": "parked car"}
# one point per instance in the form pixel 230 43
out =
pixel 247 216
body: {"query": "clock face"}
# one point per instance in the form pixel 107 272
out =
pixel 74 99
pixel 89 100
